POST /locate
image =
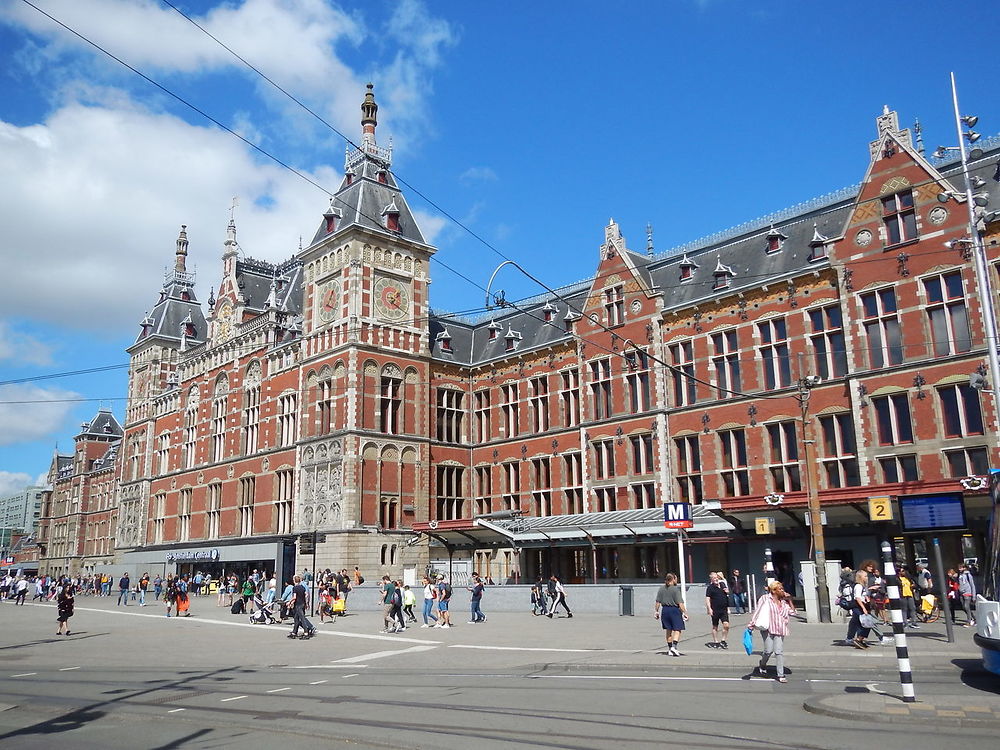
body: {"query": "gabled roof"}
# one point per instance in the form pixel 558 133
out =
pixel 255 277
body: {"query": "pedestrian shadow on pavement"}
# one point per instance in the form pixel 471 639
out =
pixel 976 677
pixel 68 723
pixel 77 635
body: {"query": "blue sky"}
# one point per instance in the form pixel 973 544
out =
pixel 532 123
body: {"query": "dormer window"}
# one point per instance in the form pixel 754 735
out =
pixel 817 245
pixel 775 239
pixel 331 217
pixel 494 329
pixel 390 214
pixel 511 338
pixel 549 312
pixel 444 340
pixel 382 177
pixel 687 267
pixel 569 320
pixel 349 177
pixel 723 275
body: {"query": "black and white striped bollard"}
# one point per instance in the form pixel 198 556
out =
pixel 768 567
pixel 899 635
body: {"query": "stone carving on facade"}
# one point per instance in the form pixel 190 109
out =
pixel 320 498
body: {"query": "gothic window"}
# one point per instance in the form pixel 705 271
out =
pixel 961 412
pixel 573 482
pixel 251 412
pixel 688 468
pixel 450 497
pixel 899 218
pixel 484 489
pixel 284 494
pixel 642 454
pixel 287 410
pixel 947 315
pixel 614 306
pixel 726 363
pixel 604 459
pixel 569 397
pixel 482 415
pixel 600 387
pixel 784 463
pixel 892 417
pixel 539 403
pixel 214 511
pixel 774 354
pixel 450 411
pixel 901 468
pixel 509 408
pixel 637 381
pixel 682 373
pixel 248 489
pixel 881 322
pixel 735 474
pixel 390 401
pixel 512 486
pixel 840 461
pixel 827 339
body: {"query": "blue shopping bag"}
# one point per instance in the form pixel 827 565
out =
pixel 748 641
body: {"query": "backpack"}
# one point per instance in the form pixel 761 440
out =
pixel 846 599
pixel 361 579
pixel 447 591
pixel 238 607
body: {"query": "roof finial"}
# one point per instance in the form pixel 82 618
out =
pixel 919 131
pixel 369 112
pixel 649 239
pixel 182 249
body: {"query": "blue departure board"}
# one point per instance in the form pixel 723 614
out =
pixel 932 512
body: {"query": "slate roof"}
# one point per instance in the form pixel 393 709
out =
pixel 744 251
pixel 177 304
pixel 103 426
pixel 254 278
pixel 363 199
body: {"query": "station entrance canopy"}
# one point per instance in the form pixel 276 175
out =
pixel 508 529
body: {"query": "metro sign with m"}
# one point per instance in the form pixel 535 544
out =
pixel 677 516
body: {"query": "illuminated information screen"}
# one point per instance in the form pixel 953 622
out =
pixel 930 512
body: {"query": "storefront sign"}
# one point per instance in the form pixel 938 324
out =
pixel 677 516
pixel 204 555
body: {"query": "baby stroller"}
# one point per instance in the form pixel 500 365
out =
pixel 263 614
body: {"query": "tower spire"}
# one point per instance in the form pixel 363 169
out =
pixel 369 112
pixel 180 260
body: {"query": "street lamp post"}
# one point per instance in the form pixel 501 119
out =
pixel 978 251
pixel 806 384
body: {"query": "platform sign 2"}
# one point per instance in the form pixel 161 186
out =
pixel 880 508
pixel 677 516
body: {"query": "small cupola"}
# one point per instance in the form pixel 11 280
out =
pixel 390 215
pixel 494 329
pixel 549 312
pixel 723 275
pixel 775 239
pixel 569 319
pixel 687 268
pixel 817 245
pixel 147 324
pixel 187 326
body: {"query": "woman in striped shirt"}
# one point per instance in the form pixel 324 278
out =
pixel 770 617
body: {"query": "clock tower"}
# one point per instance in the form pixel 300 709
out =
pixel 365 365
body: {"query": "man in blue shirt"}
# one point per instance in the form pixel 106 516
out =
pixel 123 587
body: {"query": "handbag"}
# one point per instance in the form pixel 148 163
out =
pixel 866 620
pixel 748 641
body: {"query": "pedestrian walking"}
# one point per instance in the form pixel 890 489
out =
pixel 430 596
pixel 20 590
pixel 123 590
pixel 64 609
pixel 717 607
pixel 770 617
pixel 966 593
pixel 558 597
pixel 538 598
pixel 397 606
pixel 299 603
pixel 157 588
pixel 477 599
pixel 909 605
pixel 409 599
pixel 671 611
pixel 443 602
pixel 856 632
pixel 143 587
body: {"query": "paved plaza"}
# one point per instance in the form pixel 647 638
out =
pixel 131 678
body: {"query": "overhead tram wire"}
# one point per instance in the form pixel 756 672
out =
pixel 232 132
pixel 278 161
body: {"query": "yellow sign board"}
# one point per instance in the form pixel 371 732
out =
pixel 764 525
pixel 880 508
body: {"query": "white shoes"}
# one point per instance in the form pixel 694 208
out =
pixel 446 626
pixel 425 625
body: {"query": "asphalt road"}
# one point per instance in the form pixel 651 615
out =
pixel 135 679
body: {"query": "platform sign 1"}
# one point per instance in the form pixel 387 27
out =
pixel 677 516
pixel 764 525
pixel 880 508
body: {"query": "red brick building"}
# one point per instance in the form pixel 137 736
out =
pixel 321 396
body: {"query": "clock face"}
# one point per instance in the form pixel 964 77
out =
pixel 392 299
pixel 328 301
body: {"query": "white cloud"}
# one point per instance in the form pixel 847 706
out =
pixel 23 348
pixel 41 412
pixel 12 482
pixel 430 225
pixel 477 174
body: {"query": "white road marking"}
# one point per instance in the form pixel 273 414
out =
pixel 282 628
pixel 24 674
pixel 318 682
pixel 234 698
pixel 68 669
pixel 175 710
pixel 330 666
pixel 278 690
pixel 637 677
pixel 560 650
pixel 349 675
pixel 381 655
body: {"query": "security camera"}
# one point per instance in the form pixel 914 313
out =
pixel 811 381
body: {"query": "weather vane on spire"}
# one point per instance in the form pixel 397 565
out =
pixel 232 209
